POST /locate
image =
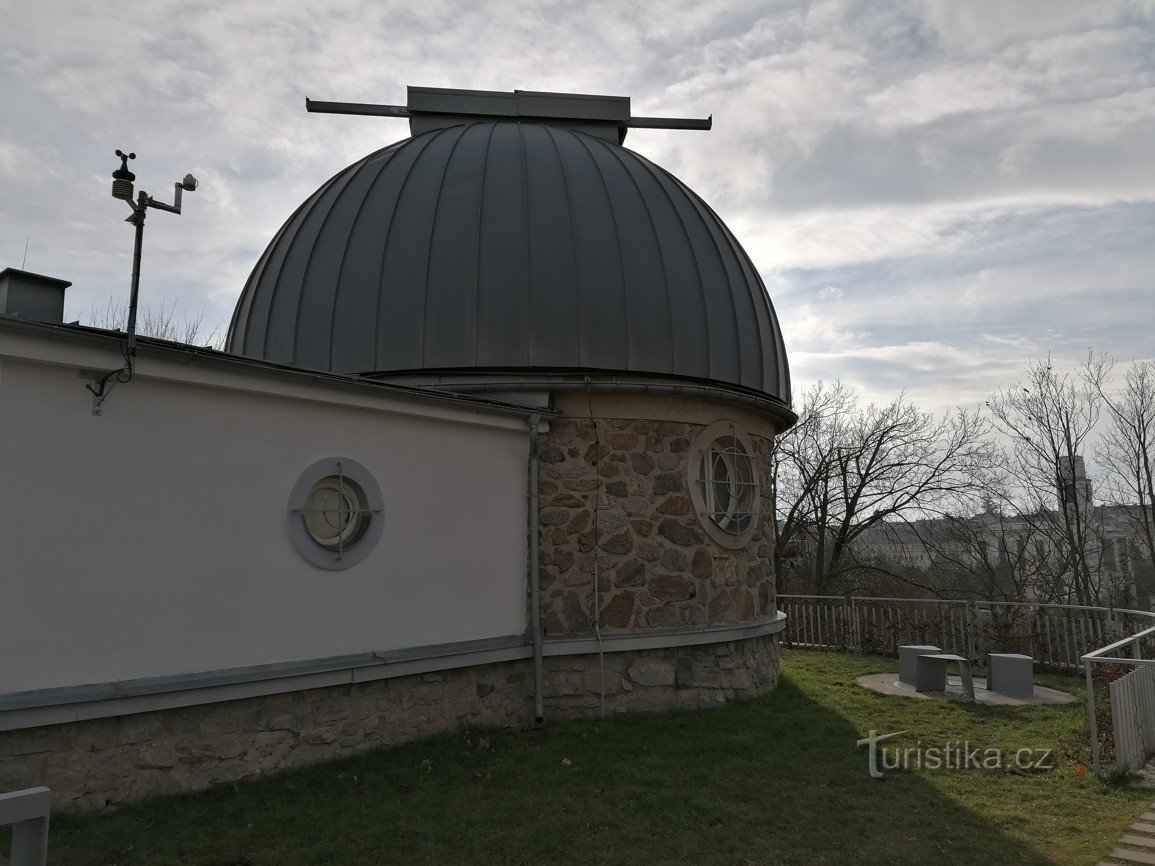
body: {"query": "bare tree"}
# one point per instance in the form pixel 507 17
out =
pixel 1049 419
pixel 159 321
pixel 843 470
pixel 991 554
pixel 1127 449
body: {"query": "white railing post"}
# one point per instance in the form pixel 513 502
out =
pixel 27 812
pixel 1091 721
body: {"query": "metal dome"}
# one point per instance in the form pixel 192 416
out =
pixel 516 245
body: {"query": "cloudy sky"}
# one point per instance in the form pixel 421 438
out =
pixel 934 192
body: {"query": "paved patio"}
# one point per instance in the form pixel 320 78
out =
pixel 888 684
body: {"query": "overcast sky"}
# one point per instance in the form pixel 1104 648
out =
pixel 934 192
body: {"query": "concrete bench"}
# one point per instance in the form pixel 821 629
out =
pixel 931 670
pixel 27 812
pixel 908 661
pixel 1011 674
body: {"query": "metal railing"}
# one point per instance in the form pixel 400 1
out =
pixel 1132 701
pixel 1058 637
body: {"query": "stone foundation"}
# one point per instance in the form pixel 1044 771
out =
pixel 654 680
pixel 91 765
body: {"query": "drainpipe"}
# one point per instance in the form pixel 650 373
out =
pixel 534 576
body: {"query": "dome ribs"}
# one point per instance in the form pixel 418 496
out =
pixel 512 246
pixel 250 323
pixel 575 270
pixel 284 308
pixel 756 373
pixel 644 284
pixel 351 336
pixel 532 335
pixel 448 327
pixel 503 284
pixel 397 310
pixel 246 324
pixel 720 356
pixel 739 335
pixel 664 310
pixel 475 283
pixel 776 375
pixel 316 304
pixel 555 333
pixel 605 335
pixel 685 302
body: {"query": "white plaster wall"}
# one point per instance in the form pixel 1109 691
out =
pixel 151 540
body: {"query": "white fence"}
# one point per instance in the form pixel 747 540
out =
pixel 1133 716
pixel 1132 706
pixel 1056 636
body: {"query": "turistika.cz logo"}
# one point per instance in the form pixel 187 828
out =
pixel 950 755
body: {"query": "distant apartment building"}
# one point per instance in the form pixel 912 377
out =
pixel 1077 551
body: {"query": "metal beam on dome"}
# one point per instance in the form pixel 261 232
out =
pixel 318 107
pixel 435 107
pixel 671 122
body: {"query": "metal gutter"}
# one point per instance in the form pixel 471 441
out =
pixel 535 569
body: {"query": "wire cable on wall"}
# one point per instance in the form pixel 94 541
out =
pixel 597 600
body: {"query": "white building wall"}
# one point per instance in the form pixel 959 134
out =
pixel 152 540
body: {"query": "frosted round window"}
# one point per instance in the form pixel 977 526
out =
pixel 723 481
pixel 334 514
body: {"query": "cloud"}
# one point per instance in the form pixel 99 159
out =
pixel 930 189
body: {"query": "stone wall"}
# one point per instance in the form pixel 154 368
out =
pixel 652 680
pixel 91 765
pixel 614 494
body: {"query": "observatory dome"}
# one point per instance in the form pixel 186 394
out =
pixel 514 234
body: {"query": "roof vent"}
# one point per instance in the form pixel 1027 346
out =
pixel 33 297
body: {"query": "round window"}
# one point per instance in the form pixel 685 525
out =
pixel 334 514
pixel 723 481
pixel 726 479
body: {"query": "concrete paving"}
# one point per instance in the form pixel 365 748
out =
pixel 888 684
pixel 1137 844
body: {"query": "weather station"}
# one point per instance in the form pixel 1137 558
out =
pixel 122 188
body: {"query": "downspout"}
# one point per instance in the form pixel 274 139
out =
pixel 534 576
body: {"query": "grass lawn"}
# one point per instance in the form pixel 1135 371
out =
pixel 773 780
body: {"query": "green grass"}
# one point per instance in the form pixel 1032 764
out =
pixel 773 780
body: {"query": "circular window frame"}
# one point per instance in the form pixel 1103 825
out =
pixel 702 443
pixel 361 481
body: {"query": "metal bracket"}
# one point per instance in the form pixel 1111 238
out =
pixel 105 381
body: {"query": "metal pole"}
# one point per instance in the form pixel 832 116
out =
pixel 1091 717
pixel 137 219
pixel 534 566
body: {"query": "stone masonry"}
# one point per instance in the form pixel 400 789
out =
pixel 93 765
pixel 614 494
